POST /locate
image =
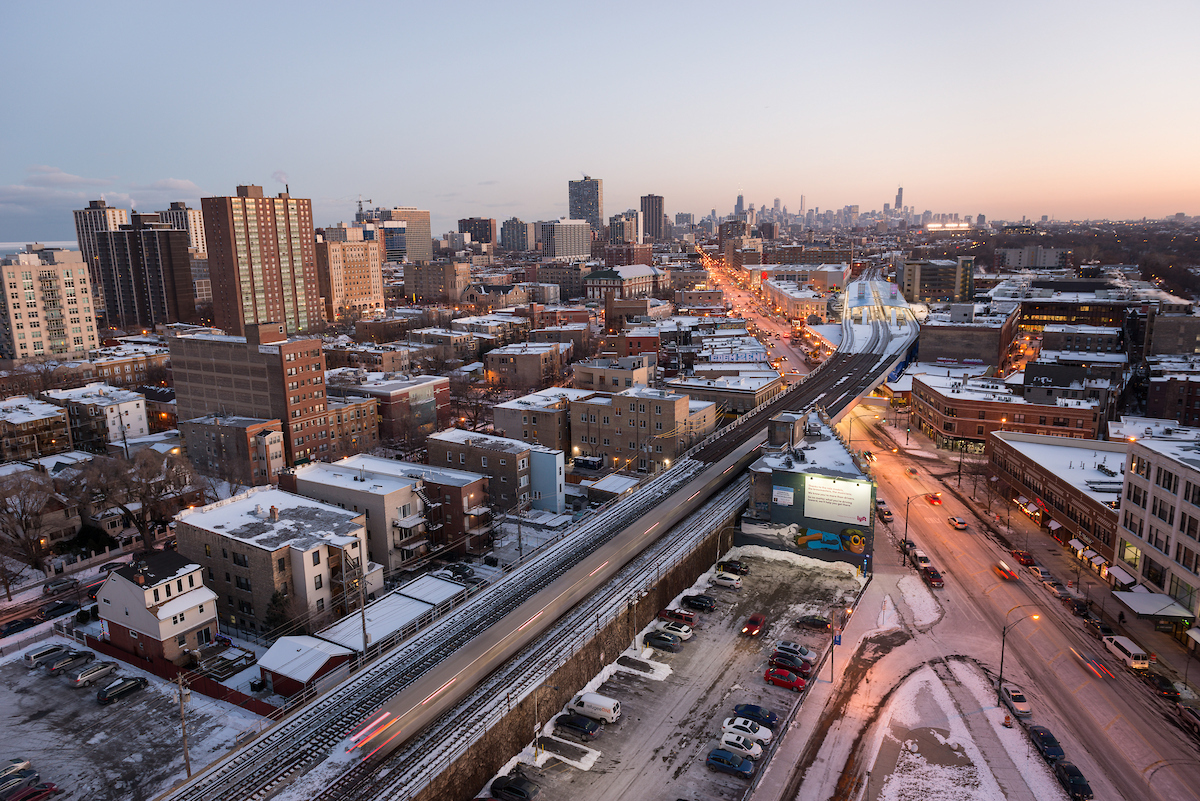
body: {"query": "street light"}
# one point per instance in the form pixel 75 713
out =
pixel 906 503
pixel 1003 635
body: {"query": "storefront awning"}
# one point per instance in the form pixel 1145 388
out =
pixel 1120 575
pixel 1194 633
pixel 1022 500
pixel 1076 544
pixel 1031 508
pixel 1153 605
pixel 1054 525
pixel 1098 560
pixel 1088 554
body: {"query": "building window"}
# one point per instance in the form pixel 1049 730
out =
pixel 317 582
pixel 320 604
pixel 208 550
pixel 240 559
pixel 316 558
pixel 280 564
pixel 242 583
pixel 156 599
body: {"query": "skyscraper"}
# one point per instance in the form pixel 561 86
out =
pixel 98 216
pixel 190 220
pixel 740 206
pixel 517 235
pixel 418 236
pixel 899 199
pixel 585 201
pixel 261 260
pixel 652 216
pixel 147 274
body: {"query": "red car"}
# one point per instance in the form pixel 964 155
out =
pixel 784 678
pixel 754 625
pixel 36 793
pixel 792 664
pixel 1023 557
pixel 932 577
pixel 1004 571
pixel 934 498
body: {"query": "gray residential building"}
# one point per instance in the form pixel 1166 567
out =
pixel 585 201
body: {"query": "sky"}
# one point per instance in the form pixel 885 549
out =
pixel 1076 110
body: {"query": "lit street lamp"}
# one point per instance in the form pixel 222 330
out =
pixel 1003 635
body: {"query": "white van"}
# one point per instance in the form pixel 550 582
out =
pixel 1128 652
pixel 596 707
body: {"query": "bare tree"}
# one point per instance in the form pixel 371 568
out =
pixel 146 489
pixel 25 499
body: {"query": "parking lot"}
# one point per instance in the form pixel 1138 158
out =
pixel 673 704
pixel 128 750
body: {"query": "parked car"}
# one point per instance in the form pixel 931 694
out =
pixel 727 580
pixel 759 714
pixel 111 566
pixel 120 688
pixel 1045 743
pixel 754 625
pixel 514 788
pixel 59 585
pixel 68 662
pixel 748 728
pixel 885 515
pixel 17 626
pixel 704 603
pixel 41 654
pixel 1098 628
pixel 789 662
pixel 796 649
pixel 934 498
pixel 734 566
pixel 1024 558
pixel 678 615
pixel 742 746
pixel 870 457
pixel 1078 606
pixel 932 577
pixel 89 675
pixel 582 727
pixel 1161 685
pixel 1189 716
pixel 681 630
pixel 14 766
pixel 726 762
pixel 1072 780
pixel 957 523
pixel 663 641
pixel 39 792
pixel 1016 701
pixel 51 611
pixel 13 783
pixel 784 678
pixel 813 622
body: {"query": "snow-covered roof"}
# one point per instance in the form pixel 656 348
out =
pixel 303 523
pixel 1078 462
pixel 182 603
pixel 23 409
pixel 358 476
pixel 478 439
pixel 96 393
pixel 745 383
pixel 546 398
pixel 300 657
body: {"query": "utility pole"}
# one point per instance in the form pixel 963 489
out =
pixel 187 761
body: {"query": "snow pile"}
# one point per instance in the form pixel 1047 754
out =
pixel 796 559
pixel 888 619
pixel 920 600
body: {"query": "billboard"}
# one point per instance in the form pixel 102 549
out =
pixel 838 500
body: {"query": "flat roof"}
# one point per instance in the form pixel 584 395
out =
pixel 353 476
pixel 24 409
pixel 96 393
pixel 546 398
pixel 303 523
pixel 1076 462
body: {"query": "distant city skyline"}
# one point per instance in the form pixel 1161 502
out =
pixel 1016 124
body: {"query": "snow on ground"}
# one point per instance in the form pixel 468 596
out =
pixel 935 757
pixel 887 620
pixel 920 600
pixel 796 559
pixel 1033 768
pixel 316 781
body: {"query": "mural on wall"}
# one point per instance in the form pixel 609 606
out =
pixel 828 517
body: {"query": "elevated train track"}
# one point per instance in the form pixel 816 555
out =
pixel 388 706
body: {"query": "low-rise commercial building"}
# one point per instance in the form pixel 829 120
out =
pixel 733 395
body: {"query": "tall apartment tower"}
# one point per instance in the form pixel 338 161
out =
pixel 899 200
pixel 585 201
pixel 518 235
pixel 481 229
pixel 740 206
pixel 652 216
pixel 190 220
pixel 350 276
pixel 52 313
pixel 418 237
pixel 98 216
pixel 147 274
pixel 261 261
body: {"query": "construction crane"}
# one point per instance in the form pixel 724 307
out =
pixel 360 202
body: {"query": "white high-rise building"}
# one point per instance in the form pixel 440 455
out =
pixel 569 239
pixel 52 313
pixel 98 216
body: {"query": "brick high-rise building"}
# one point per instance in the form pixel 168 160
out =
pixel 261 261
pixel 585 201
pixel 147 274
pixel 264 374
pixel 481 229
pixel 652 216
pixel 518 235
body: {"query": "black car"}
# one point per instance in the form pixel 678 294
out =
pixel 51 611
pixel 734 566
pixel 14 626
pixel 790 662
pixel 664 641
pixel 120 688
pixel 1046 743
pixel 1078 606
pixel 760 715
pixel 1071 778
pixel 1161 685
pixel 582 727
pixel 702 603
pixel 1098 628
pixel 813 622
pixel 514 788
